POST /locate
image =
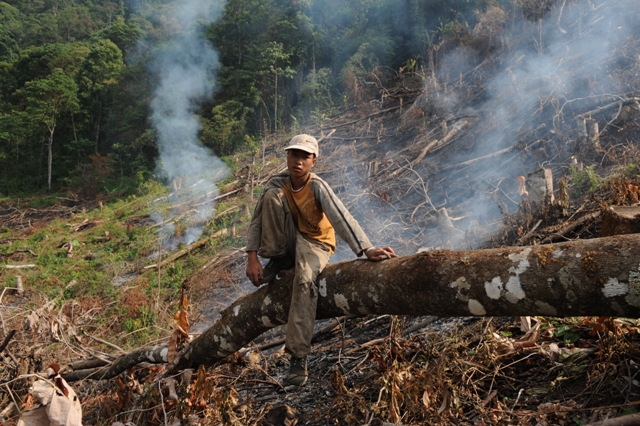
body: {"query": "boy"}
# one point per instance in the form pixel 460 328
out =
pixel 294 224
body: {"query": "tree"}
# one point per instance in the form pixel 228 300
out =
pixel 123 34
pixel 596 277
pixel 99 71
pixel 275 62
pixel 10 31
pixel 225 131
pixel 75 23
pixel 46 100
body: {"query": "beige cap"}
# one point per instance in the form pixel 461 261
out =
pixel 305 143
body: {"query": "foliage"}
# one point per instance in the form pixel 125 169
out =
pixel 584 180
pixel 282 64
pixel 317 89
pixel 225 131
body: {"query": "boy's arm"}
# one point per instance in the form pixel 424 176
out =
pixel 343 222
pixel 254 268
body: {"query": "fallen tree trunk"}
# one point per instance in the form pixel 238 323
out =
pixel 596 277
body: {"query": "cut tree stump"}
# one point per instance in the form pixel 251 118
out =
pixel 540 187
pixel 621 220
pixel 588 147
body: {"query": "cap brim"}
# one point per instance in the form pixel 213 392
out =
pixel 301 148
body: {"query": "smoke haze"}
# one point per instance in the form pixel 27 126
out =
pixel 553 70
pixel 554 76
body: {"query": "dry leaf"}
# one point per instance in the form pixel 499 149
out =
pixel 172 349
pixel 445 401
pixel 525 324
pixel 425 399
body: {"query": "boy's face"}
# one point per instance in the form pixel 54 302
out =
pixel 300 163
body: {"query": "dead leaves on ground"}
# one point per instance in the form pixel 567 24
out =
pixel 523 373
pixel 494 371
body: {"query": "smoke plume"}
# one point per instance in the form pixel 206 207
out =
pixel 185 68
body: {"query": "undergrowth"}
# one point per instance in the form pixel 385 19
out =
pixel 97 258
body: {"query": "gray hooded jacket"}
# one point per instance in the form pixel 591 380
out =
pixel 344 224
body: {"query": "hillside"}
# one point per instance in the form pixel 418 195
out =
pixel 424 161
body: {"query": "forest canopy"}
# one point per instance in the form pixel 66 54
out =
pixel 76 91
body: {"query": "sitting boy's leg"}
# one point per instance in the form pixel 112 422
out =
pixel 311 259
pixel 278 234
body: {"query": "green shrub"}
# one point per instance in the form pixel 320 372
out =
pixel 584 180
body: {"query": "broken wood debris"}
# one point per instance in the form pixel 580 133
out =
pixel 187 249
pixel 26 266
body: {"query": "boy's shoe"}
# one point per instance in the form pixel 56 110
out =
pixel 274 266
pixel 297 371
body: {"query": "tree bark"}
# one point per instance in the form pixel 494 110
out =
pixel 596 277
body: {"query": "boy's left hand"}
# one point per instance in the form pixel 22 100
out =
pixel 377 254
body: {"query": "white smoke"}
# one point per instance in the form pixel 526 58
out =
pixel 185 69
pixel 563 66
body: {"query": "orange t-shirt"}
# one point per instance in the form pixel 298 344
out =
pixel 309 218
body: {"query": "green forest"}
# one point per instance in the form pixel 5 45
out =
pixel 76 84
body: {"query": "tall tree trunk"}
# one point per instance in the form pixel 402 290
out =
pixel 73 124
pixel 50 155
pixel 597 277
pixel 275 105
pixel 98 127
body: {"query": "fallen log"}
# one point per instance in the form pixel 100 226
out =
pixel 596 277
pixel 337 126
pixel 516 146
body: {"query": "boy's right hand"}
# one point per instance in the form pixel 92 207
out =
pixel 254 269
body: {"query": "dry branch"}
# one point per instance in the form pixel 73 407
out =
pixel 441 142
pixel 612 105
pixel 328 135
pixel 560 233
pixel 365 117
pixel 85 364
pixel 27 266
pixel 6 340
pixel 186 250
pixel 154 355
pixel 628 420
